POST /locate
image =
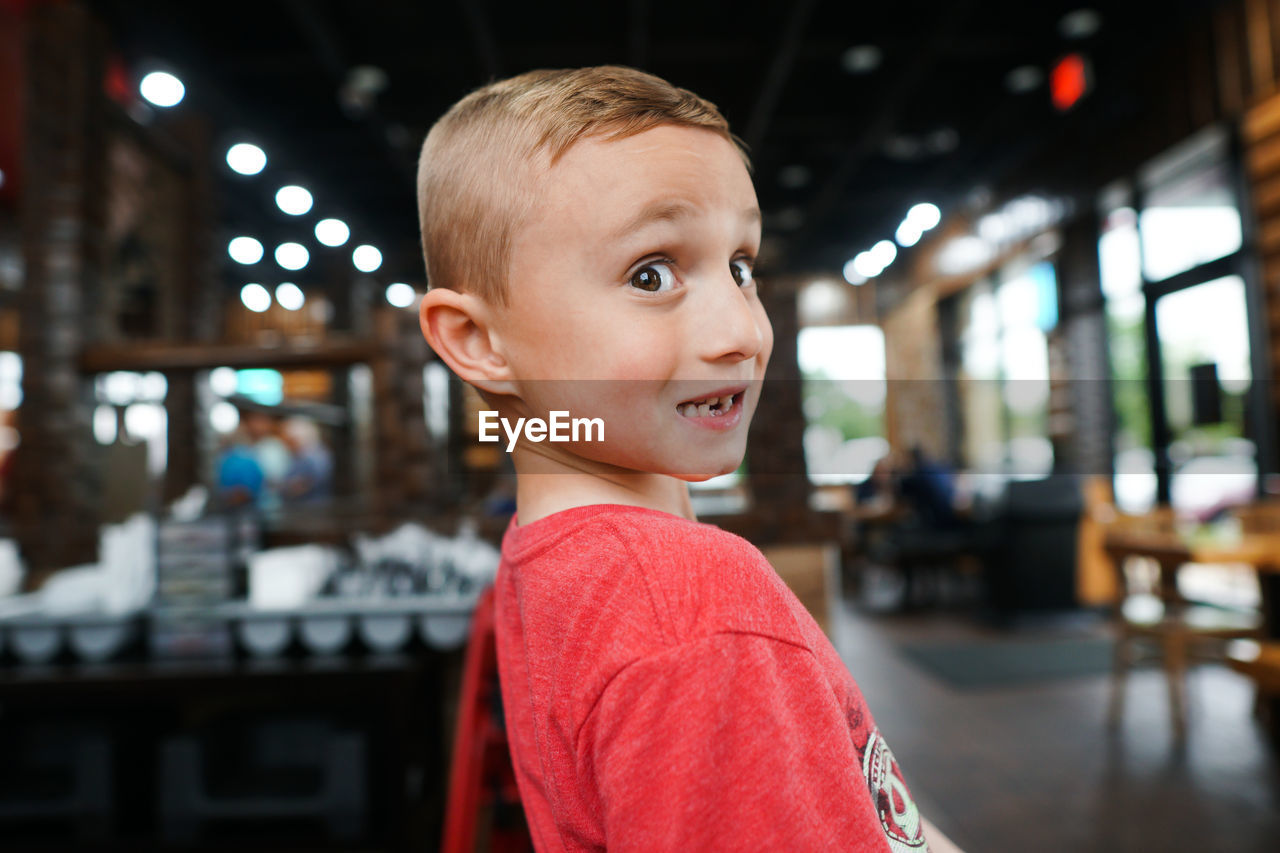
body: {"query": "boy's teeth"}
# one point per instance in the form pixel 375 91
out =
pixel 710 407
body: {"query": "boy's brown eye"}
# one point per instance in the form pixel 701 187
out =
pixel 741 270
pixel 653 278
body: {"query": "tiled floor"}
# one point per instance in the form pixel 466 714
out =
pixel 1035 767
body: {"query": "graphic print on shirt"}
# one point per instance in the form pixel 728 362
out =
pixel 898 814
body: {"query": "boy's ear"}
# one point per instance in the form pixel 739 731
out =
pixel 457 326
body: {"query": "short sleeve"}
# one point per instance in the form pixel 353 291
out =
pixel 729 742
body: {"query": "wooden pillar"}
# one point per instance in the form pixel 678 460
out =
pixel 55 486
pixel 196 305
pixel 777 478
pixel 404 473
pixel 1081 421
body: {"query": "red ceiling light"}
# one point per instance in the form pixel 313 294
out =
pixel 1069 81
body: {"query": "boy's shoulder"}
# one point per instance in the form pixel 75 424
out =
pixel 683 578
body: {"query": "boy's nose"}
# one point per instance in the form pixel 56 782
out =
pixel 729 326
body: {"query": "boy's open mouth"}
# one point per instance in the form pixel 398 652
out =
pixel 714 406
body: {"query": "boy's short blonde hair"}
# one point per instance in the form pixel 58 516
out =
pixel 476 171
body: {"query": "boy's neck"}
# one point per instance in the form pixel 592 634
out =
pixel 545 486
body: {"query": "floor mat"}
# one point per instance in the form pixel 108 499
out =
pixel 1004 663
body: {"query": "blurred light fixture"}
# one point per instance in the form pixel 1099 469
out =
pixel 10 367
pixel 908 234
pixel 246 158
pixel 290 296
pixel 332 232
pixel 821 302
pixel 120 387
pixel 104 424
pixel 852 275
pixel 292 256
pixel 162 89
pixel 861 59
pixel 864 264
pixel 1079 24
pixel 400 294
pixel 794 177
pixel 884 253
pixel 1023 79
pixel 360 89
pixel 366 258
pixel 942 140
pixel 153 386
pixel 255 297
pixel 245 250
pixel 145 420
pixel 924 215
pixel 964 254
pixel 293 200
pixel 901 146
pixel 223 381
pixel 224 417
pixel 789 218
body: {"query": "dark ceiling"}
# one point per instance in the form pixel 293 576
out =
pixel 839 156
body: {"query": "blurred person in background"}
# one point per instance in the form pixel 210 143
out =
pixel 262 429
pixel 309 476
pixel 929 487
pixel 239 476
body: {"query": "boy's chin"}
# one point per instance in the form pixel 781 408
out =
pixel 704 475
pixel 703 470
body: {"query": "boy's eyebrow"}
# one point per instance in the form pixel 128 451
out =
pixel 668 210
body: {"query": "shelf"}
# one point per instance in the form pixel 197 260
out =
pixel 168 357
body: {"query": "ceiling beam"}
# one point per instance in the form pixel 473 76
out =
pixel 482 35
pixel 327 46
pixel 898 95
pixel 779 70
pixel 638 33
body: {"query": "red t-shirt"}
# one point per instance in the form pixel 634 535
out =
pixel 665 690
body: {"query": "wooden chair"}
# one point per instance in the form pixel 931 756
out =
pixel 1260 662
pixel 1156 615
pixel 484 801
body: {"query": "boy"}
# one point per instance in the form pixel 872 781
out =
pixel 589 238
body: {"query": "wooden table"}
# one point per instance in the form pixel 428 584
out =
pixel 1161 543
pixel 1170 551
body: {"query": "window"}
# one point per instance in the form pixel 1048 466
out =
pixel 843 394
pixel 1004 370
pixel 1178 330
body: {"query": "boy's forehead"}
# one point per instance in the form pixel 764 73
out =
pixel 599 180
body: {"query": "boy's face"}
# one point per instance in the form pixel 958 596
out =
pixel 631 300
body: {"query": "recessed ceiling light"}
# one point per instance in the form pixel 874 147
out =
pixel 293 200
pixel 332 232
pixel 400 294
pixel 255 297
pixel 290 296
pixel 366 258
pixel 852 275
pixel 292 256
pixel 794 177
pixel 162 89
pixel 942 140
pixel 924 215
pixel 789 218
pixel 1024 78
pixel 245 250
pixel 246 158
pixel 861 59
pixel 1079 24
